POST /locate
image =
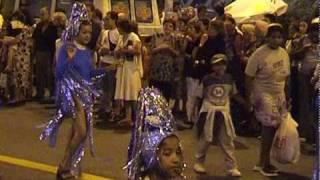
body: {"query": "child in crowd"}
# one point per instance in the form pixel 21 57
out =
pixel 154 150
pixel 215 121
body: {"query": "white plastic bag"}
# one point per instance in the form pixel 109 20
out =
pixel 286 144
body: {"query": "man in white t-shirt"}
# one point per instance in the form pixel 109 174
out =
pixel 106 45
pixel 267 72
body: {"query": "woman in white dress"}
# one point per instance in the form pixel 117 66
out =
pixel 129 71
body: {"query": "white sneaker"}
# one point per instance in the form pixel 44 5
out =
pixel 234 172
pixel 258 168
pixel 268 173
pixel 199 168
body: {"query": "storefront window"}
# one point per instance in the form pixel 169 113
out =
pixel 143 10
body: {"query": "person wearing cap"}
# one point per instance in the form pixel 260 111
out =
pixel 215 123
pixel 267 73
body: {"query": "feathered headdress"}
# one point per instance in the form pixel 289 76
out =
pixel 78 14
pixel 153 124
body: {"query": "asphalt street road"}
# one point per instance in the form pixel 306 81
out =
pixel 19 131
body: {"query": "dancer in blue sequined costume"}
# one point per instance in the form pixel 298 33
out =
pixel 154 151
pixel 75 92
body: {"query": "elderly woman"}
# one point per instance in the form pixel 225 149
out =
pixel 163 65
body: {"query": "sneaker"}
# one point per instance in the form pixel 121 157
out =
pixel 271 167
pixel 266 171
pixel 199 168
pixel 234 172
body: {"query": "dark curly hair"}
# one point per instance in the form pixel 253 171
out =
pixel 170 21
pixel 125 25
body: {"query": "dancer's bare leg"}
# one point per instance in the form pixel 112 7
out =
pixel 66 151
pixel 78 136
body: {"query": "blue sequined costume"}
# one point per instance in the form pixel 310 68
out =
pixel 153 124
pixel 73 79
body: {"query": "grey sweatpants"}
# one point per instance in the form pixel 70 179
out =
pixel 224 141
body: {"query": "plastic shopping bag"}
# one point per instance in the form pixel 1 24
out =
pixel 286 144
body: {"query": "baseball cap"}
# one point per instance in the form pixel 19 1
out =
pixel 217 58
pixel 274 27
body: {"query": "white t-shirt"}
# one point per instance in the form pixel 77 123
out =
pixel 270 68
pixel 113 36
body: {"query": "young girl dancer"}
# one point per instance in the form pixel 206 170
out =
pixel 154 150
pixel 75 91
